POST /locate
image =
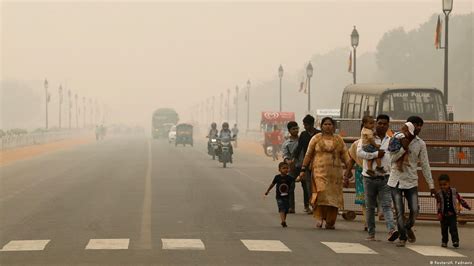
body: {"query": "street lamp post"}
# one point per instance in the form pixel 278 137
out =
pixel 60 91
pixel 228 105
pixel 213 108
pixel 221 114
pixel 70 106
pixel 309 74
pixel 355 43
pixel 280 75
pixel 47 100
pixel 447 8
pixel 84 109
pixel 248 104
pixel 237 105
pixel 77 110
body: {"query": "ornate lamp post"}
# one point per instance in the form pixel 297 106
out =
pixel 47 99
pixel 248 104
pixel 309 74
pixel 447 8
pixel 60 91
pixel 280 75
pixel 354 43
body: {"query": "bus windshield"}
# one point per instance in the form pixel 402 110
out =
pixel 404 103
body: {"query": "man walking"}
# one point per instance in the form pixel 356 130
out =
pixel 375 187
pixel 303 143
pixel 404 182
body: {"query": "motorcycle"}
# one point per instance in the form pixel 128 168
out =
pixel 213 147
pixel 224 155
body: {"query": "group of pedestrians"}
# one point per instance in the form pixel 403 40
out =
pixel 385 172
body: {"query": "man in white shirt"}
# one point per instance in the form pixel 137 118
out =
pixel 405 183
pixel 375 187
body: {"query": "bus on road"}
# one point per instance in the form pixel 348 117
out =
pixel 162 120
pixel 399 101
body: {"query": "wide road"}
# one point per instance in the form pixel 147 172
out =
pixel 132 201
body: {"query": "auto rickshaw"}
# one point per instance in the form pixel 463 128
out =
pixel 184 134
pixel 269 120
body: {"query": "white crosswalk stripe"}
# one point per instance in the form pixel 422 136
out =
pixel 434 251
pixel 108 243
pixel 351 248
pixel 183 244
pixel 265 245
pixel 25 245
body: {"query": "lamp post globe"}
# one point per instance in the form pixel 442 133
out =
pixel 354 38
pixel 447 6
pixel 309 70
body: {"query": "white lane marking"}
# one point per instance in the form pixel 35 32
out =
pixel 193 244
pixel 118 243
pixel 25 245
pixel 351 248
pixel 145 231
pixel 434 251
pixel 265 245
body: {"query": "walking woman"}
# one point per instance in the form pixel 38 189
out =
pixel 325 155
pixel 356 163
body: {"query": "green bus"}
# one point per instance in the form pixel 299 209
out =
pixel 162 120
pixel 399 101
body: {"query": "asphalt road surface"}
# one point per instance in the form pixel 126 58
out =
pixel 136 201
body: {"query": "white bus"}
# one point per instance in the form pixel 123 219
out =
pixel 398 101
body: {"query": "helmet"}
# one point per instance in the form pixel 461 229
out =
pixel 213 125
pixel 225 125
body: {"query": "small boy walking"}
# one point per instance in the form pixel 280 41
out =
pixel 283 183
pixel 447 202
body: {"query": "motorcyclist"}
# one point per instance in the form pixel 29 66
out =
pixel 213 133
pixel 226 134
pixel 235 132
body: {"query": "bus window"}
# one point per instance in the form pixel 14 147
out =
pixel 350 106
pixel 357 105
pixel 402 104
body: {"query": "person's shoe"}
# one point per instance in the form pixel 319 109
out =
pixel 283 224
pixel 444 245
pixel 456 244
pixel 401 243
pixel 371 172
pixel 370 238
pixel 330 227
pixel 393 235
pixel 319 224
pixel 411 236
pixel 307 209
pixel 291 210
pixel 365 228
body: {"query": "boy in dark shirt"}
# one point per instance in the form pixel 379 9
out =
pixel 283 182
pixel 447 202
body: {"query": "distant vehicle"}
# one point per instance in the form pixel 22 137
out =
pixel 184 134
pixel 172 134
pixel 162 121
pixel 398 101
pixel 268 120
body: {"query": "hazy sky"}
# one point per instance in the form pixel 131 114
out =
pixel 143 55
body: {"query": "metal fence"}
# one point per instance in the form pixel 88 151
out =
pixel 432 130
pixel 426 205
pixel 16 141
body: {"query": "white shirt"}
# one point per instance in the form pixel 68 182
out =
pixel 409 177
pixel 365 156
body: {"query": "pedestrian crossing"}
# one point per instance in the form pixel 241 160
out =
pixel 252 245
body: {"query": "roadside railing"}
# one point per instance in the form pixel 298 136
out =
pixel 16 141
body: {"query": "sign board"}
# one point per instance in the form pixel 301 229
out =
pixel 449 109
pixel 328 112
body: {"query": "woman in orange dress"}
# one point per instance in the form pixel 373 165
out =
pixel 326 155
